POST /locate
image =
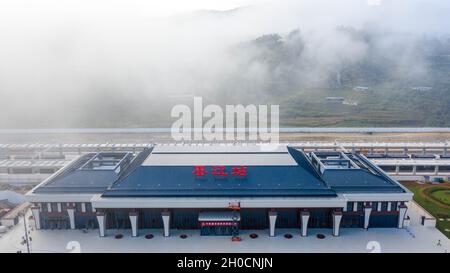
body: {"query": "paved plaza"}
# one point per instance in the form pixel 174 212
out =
pixel 415 238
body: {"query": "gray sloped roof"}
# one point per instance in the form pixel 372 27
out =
pixel 80 181
pixel 261 180
pixel 73 179
pixel 298 178
pixel 358 180
pixel 179 181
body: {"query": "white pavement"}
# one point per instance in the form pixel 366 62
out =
pixel 413 239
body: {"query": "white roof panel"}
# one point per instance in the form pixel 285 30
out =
pixel 219 155
pixel 219 159
pixel 219 148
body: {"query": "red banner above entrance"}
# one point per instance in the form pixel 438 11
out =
pixel 218 223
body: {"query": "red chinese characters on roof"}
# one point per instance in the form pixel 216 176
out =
pixel 221 171
pixel 199 171
pixel 239 171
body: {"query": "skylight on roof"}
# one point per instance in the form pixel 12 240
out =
pixel 106 161
pixel 332 160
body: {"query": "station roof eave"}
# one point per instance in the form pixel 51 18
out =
pixel 100 201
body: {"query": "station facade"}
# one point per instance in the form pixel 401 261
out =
pixel 219 190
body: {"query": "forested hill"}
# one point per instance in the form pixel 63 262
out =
pixel 385 79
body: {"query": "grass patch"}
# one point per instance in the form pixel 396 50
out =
pixel 441 195
pixel 434 199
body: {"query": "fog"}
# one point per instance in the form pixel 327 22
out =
pixel 67 63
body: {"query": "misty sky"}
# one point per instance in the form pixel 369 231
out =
pixel 60 60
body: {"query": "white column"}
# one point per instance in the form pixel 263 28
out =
pixel 36 215
pixel 101 218
pixel 379 206
pixel 59 207
pixel 389 206
pixel 49 207
pixel 401 215
pixel 71 213
pixel 337 216
pixel 83 207
pixel 134 223
pixel 367 211
pixel 166 221
pixel 355 206
pixel 272 221
pixel 304 216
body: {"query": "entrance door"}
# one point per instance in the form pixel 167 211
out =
pixel 217 230
pixel 352 221
pixel 320 218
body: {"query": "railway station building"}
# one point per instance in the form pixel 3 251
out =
pixel 219 190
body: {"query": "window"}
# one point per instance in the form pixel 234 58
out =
pixel 424 169
pixel 54 207
pixel 350 206
pixel 406 169
pixel 388 168
pixel 374 206
pixel 393 206
pixel 46 170
pixel 78 207
pixel 360 206
pixel 21 171
pixel 44 207
pixel 444 168
pixel 88 207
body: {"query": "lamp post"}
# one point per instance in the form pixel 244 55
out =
pixel 26 232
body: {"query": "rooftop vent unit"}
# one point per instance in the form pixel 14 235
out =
pixel 331 160
pixel 108 162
